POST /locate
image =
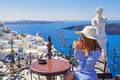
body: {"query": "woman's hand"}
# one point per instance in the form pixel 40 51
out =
pixel 78 44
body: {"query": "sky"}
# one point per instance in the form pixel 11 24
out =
pixel 11 10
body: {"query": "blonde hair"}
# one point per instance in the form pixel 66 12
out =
pixel 90 45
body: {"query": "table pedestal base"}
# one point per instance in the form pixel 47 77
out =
pixel 51 78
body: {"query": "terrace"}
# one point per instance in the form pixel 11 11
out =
pixel 20 68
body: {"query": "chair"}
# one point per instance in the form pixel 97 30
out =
pixel 103 70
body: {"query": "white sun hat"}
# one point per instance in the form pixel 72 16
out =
pixel 89 32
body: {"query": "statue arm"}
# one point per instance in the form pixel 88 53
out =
pixel 93 22
pixel 105 18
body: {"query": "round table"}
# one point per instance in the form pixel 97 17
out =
pixel 52 68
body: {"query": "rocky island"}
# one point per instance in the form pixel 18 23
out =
pixel 32 22
pixel 110 28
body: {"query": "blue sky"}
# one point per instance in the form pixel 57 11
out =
pixel 57 9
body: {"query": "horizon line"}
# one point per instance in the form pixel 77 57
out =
pixel 48 20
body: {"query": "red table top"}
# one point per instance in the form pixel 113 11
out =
pixel 53 67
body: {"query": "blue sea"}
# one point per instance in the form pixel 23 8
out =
pixel 53 30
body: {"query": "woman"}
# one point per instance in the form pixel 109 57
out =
pixel 87 52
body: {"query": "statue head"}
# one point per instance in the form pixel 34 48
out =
pixel 99 10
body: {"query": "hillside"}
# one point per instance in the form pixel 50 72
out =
pixel 111 28
pixel 31 22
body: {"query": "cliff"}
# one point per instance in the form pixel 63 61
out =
pixel 110 28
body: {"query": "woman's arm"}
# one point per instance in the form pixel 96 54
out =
pixel 79 55
pixel 92 59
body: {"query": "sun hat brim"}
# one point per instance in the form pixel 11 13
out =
pixel 86 35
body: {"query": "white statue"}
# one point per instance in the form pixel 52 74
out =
pixel 99 23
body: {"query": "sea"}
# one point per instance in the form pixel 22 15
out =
pixel 60 37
